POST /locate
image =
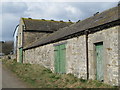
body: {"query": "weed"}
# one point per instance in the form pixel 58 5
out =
pixel 98 84
pixel 82 80
pixel 78 87
pixel 40 77
pixel 57 77
pixel 52 76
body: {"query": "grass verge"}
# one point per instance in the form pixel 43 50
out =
pixel 39 77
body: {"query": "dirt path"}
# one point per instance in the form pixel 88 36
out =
pixel 10 80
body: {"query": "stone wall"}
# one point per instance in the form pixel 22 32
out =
pixel 109 37
pixel 8 57
pixel 40 55
pixel 30 37
pixel 75 56
pixel 20 39
pixel 119 55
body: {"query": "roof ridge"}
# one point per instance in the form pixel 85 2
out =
pixel 46 20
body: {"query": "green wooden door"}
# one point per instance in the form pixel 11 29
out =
pixel 20 55
pixel 60 59
pixel 62 50
pixel 56 51
pixel 99 62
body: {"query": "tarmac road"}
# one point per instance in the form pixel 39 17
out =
pixel 10 80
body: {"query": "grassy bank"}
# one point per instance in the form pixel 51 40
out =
pixel 39 77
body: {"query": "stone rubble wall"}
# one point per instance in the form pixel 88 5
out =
pixel 8 57
pixel 109 37
pixel 76 55
pixel 32 37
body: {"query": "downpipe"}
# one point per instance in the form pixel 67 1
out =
pixel 87 61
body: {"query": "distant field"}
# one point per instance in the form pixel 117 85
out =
pixel 39 77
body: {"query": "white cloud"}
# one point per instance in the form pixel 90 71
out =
pixel 71 9
pixel 13 8
pixel 55 11
pixel 8 24
pixel 0 27
pixel 11 13
pixel 47 10
pixel 60 0
pixel 0 21
pixel 65 11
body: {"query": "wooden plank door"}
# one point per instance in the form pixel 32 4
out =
pixel 20 55
pixel 60 59
pixel 99 62
pixel 56 65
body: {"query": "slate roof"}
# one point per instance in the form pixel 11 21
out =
pixel 43 25
pixel 93 21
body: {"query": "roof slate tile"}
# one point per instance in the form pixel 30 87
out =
pixel 107 16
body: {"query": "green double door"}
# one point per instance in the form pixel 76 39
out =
pixel 60 63
pixel 20 55
pixel 99 62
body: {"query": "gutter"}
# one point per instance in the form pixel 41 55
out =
pixel 39 31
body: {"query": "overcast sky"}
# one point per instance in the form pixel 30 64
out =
pixel 74 11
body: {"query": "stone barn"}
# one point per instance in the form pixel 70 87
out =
pixel 89 49
pixel 31 30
